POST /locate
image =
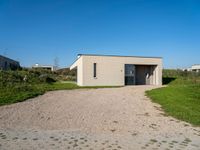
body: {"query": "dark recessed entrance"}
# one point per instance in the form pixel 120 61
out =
pixel 139 74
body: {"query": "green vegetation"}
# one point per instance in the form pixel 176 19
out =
pixel 17 86
pixel 66 74
pixel 22 92
pixel 181 98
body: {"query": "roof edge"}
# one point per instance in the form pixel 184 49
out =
pixel 79 55
pixel 117 56
pixel 10 58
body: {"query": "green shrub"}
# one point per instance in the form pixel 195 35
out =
pixel 10 78
pixel 179 73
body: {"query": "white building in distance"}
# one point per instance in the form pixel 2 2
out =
pixel 45 67
pixel 195 68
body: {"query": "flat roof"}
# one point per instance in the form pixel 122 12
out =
pixel 39 65
pixel 117 56
pixel 79 55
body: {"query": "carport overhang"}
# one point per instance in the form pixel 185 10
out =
pixel 74 65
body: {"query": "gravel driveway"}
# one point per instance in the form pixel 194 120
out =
pixel 94 119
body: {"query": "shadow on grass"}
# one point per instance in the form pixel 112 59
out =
pixel 167 80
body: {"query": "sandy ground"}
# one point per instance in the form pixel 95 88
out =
pixel 112 118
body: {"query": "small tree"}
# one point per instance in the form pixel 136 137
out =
pixel 56 62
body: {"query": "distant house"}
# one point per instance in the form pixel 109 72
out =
pixel 8 64
pixel 105 70
pixel 45 67
pixel 195 68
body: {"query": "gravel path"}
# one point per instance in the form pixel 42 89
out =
pixel 112 118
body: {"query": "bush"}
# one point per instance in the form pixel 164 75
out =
pixel 10 78
pixel 45 78
pixel 179 73
pixel 172 76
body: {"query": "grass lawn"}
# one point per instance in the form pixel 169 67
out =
pixel 21 92
pixel 180 100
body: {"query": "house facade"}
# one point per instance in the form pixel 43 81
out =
pixel 8 64
pixel 111 70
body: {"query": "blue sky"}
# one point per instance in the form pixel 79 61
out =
pixel 37 31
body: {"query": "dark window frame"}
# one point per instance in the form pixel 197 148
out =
pixel 95 70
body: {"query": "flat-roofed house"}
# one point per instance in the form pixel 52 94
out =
pixel 8 64
pixel 111 70
pixel 195 68
pixel 45 67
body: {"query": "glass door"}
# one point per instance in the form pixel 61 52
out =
pixel 129 74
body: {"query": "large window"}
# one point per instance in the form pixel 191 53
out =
pixel 95 70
